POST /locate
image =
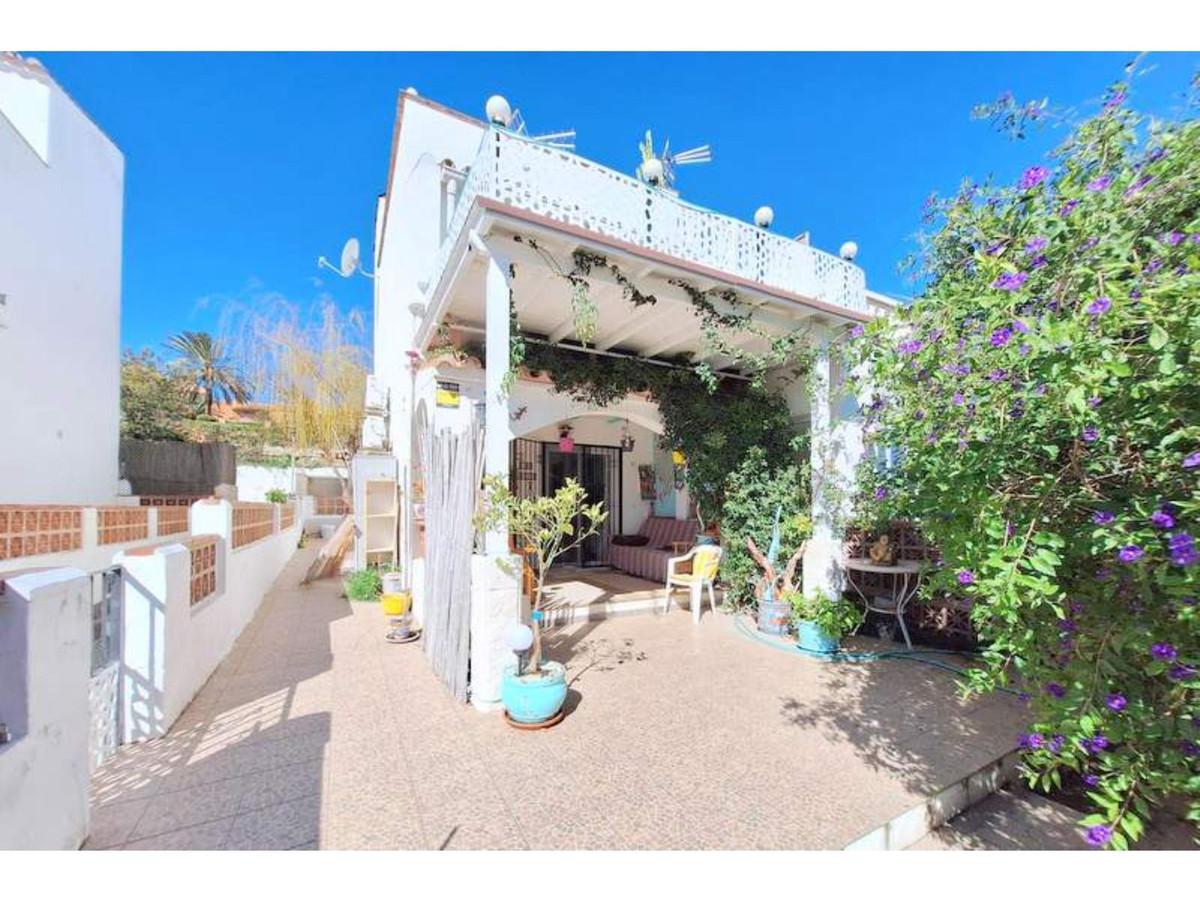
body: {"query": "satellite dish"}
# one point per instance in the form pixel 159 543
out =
pixel 350 258
pixel 351 262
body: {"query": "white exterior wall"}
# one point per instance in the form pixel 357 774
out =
pixel 171 647
pixel 61 191
pixel 45 662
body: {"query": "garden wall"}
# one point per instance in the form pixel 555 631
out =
pixel 177 468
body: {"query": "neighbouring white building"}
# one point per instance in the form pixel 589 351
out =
pixel 477 225
pixel 61 197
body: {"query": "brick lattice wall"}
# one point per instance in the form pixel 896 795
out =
pixel 251 522
pixel 39 529
pixel 204 567
pixel 121 524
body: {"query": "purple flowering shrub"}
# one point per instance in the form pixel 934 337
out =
pixel 1043 394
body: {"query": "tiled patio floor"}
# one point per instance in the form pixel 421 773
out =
pixel 316 733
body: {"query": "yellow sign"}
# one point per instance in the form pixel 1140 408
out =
pixel 447 394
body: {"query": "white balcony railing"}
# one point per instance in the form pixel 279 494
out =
pixel 575 191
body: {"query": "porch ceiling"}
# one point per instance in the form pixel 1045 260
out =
pixel 661 330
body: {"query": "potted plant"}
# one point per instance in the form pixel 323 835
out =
pixel 822 621
pixel 533 690
pixel 363 585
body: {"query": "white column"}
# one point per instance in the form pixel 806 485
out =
pixel 495 583
pixel 155 654
pixel 836 447
pixel 498 426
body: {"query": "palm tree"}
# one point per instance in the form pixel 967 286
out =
pixel 212 373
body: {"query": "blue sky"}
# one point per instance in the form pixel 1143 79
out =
pixel 242 168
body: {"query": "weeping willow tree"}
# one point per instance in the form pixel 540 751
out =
pixel 312 369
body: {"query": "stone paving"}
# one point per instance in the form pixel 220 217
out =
pixel 316 733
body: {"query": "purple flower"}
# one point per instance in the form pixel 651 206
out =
pixel 995 249
pixel 1138 186
pixel 857 332
pixel 998 376
pixel 1099 306
pixel 1033 245
pixel 1032 177
pixel 1098 835
pixel 1066 208
pixel 1130 553
pixel 1057 690
pixel 881 493
pixel 1153 266
pixel 1181 673
pixel 1174 238
pixel 1011 281
pixel 1164 651
pixel 958 398
pixel 1116 702
pixel 1090 434
pixel 1031 740
pixel 1091 780
pixel 1038 262
pixel 1161 519
pixel 1182 548
pixel 1001 336
pixel 912 346
pixel 1115 99
pixel 1019 326
pixel 1192 461
pixel 966 578
pixel 1103 518
pixel 1189 748
pixel 1093 402
pixel 1098 743
pixel 1100 184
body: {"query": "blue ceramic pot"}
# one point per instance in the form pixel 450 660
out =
pixel 811 637
pixel 534 698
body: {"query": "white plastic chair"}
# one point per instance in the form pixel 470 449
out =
pixel 705 561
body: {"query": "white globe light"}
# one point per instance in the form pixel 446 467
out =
pixel 652 170
pixel 763 217
pixel 412 92
pixel 498 110
pixel 518 637
pixel 848 251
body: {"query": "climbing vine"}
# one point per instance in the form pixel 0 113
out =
pixel 727 322
pixel 714 428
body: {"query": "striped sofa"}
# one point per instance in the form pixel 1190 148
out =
pixel 649 561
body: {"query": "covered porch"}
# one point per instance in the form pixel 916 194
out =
pixel 516 274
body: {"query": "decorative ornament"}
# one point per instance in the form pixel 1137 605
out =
pixel 658 169
pixel 627 439
pixel 678 458
pixel 881 551
pixel 566 443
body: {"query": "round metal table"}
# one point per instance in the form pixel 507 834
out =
pixel 906 578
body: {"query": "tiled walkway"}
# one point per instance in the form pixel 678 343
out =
pixel 316 733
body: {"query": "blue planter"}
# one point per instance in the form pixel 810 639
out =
pixel 811 637
pixel 534 699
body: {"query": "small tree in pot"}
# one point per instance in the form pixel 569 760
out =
pixel 549 527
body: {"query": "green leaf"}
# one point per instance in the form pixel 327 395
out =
pixel 1158 337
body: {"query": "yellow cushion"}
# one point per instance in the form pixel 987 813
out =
pixel 704 564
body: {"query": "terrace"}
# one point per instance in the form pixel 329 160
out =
pixel 732 743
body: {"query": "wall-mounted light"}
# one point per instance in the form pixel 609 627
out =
pixel 848 250
pixel 763 217
pixel 627 439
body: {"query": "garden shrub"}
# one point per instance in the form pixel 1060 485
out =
pixel 364 585
pixel 1042 396
pixel 753 490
